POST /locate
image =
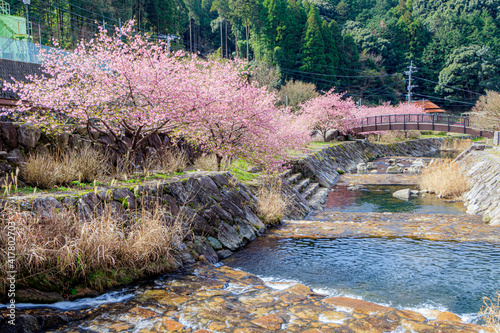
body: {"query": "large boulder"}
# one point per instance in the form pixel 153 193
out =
pixel 15 157
pixel 394 169
pixel 362 168
pixel 126 197
pixel 28 136
pixel 402 194
pixel 9 135
pixel 229 237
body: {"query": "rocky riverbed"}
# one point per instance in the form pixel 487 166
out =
pixel 203 297
pixel 221 299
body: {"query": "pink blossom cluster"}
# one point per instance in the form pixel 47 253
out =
pixel 125 84
pixel 330 111
pixel 335 111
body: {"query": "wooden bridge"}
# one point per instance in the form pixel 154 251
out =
pixel 419 122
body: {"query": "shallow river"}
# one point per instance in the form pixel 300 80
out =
pixel 402 272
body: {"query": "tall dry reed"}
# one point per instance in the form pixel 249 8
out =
pixel 64 246
pixel 445 179
pixel 490 312
pixel 456 145
pixel 209 163
pixel 166 161
pixel 272 202
pixel 45 170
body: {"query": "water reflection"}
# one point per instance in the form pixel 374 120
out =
pixel 404 273
pixel 379 199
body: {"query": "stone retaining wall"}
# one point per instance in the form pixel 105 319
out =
pixel 18 140
pixel 222 210
pixel 325 165
pixel 484 196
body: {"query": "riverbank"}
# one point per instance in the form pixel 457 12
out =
pixel 221 299
pixel 483 198
pixel 239 201
pixel 221 213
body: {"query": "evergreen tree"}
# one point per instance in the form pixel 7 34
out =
pixel 331 51
pixel 314 48
pixel 295 18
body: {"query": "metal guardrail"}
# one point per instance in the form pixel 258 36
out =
pixel 18 50
pixel 433 122
pixel 416 118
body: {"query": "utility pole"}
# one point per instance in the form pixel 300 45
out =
pixel 190 35
pixel 168 38
pixel 411 69
pixel 27 2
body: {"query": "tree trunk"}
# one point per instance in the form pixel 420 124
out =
pixel 221 40
pixel 227 56
pixel 236 42
pixel 190 35
pixel 248 55
pixel 219 161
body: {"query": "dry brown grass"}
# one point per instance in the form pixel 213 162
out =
pixel 272 202
pixel 445 179
pixel 209 163
pixel 45 170
pixel 65 246
pixel 490 312
pixel 456 145
pixel 166 161
pixel 486 112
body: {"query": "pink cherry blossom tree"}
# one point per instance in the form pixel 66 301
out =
pixel 329 111
pixel 126 88
pixel 235 118
pixel 122 86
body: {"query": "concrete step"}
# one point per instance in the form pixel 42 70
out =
pixel 301 185
pixel 310 190
pixel 319 198
pixel 285 174
pixel 294 178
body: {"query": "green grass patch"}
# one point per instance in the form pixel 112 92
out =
pixel 243 176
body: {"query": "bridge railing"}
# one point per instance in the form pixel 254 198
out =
pixel 415 118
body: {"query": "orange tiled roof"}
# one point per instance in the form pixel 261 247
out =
pixel 430 107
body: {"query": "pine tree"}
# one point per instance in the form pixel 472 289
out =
pixel 314 48
pixel 274 22
pixel 331 51
pixel 295 18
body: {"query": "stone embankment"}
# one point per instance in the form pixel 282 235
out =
pixel 483 198
pixel 223 211
pixel 314 175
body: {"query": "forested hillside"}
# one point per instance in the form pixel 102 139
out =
pixel 360 46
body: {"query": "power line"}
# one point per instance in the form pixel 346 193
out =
pixel 327 66
pixel 345 76
pixel 445 99
pixel 88 18
pixel 451 87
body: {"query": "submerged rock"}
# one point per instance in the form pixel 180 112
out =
pixel 402 194
pixel 394 169
pixel 355 187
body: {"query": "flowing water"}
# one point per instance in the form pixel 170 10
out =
pixel 401 272
pixel 407 273
pixel 379 199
